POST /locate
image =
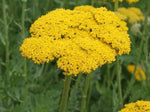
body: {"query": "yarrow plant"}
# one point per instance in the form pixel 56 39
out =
pixel 132 14
pixel 80 40
pixel 139 73
pixel 139 106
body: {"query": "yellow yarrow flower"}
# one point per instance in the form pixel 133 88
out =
pixel 139 73
pixel 133 14
pixel 129 1
pixel 139 106
pixel 81 39
pixel 118 0
pixel 132 1
pixel 112 0
pixel 84 8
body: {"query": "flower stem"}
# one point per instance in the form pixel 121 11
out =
pixel 116 6
pixel 6 35
pixel 118 66
pixel 146 17
pixel 36 8
pixel 92 2
pixel 23 33
pixel 23 19
pixel 119 82
pixel 84 94
pixel 90 92
pixel 108 76
pixel 77 2
pixel 6 77
pixel 78 81
pixel 145 35
pixel 48 4
pixel 65 3
pixel 64 99
pixel 132 81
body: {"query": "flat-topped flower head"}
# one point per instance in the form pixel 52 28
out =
pixel 133 14
pixel 139 106
pixel 81 39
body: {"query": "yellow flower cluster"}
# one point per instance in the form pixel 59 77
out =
pixel 139 106
pixel 129 1
pixel 133 14
pixel 114 0
pixel 81 39
pixel 139 73
pixel 132 1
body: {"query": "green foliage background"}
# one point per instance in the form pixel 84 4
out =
pixel 41 89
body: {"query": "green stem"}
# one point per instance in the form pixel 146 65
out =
pixel 84 94
pixel 145 35
pixel 146 49
pixel 78 81
pixel 36 8
pixel 45 68
pixel 77 2
pixel 23 35
pixel 64 100
pixel 48 4
pixel 92 2
pixel 66 4
pixel 146 17
pixel 118 66
pixel 6 77
pixel 119 82
pixel 139 52
pixel 25 67
pixel 116 6
pixel 130 84
pixel 108 76
pixel 23 32
pixel 23 20
pixel 113 75
pixel 6 35
pixel 90 92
